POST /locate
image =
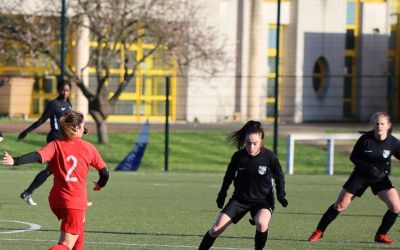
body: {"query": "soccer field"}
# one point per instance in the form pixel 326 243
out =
pixel 174 210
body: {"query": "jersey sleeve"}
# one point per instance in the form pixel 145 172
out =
pixel 278 175
pixel 396 152
pixel 229 174
pixel 43 118
pixel 47 152
pixel 97 161
pixel 355 154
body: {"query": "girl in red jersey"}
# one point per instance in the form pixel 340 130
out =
pixel 70 159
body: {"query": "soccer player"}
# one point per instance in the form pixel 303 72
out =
pixel 371 157
pixel 70 159
pixel 53 111
pixel 1 136
pixel 251 169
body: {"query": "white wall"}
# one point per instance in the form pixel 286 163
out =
pixel 320 33
pixel 211 99
pixel 372 91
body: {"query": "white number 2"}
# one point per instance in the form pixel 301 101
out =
pixel 68 177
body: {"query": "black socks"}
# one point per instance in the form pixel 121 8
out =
pixel 387 222
pixel 207 242
pixel 327 218
pixel 39 180
pixel 260 239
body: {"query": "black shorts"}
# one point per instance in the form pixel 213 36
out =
pixel 236 210
pixel 357 184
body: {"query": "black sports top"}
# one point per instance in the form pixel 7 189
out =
pixel 371 157
pixel 53 111
pixel 252 176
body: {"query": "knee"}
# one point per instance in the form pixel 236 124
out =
pixel 215 231
pixel 261 226
pixel 395 209
pixel 340 206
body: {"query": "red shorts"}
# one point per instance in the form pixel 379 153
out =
pixel 72 220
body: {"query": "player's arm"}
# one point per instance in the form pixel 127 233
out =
pixel 355 155
pixel 228 178
pixel 24 159
pixel 103 179
pixel 46 114
pixel 279 178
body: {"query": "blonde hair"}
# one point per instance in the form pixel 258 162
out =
pixel 69 122
pixel 377 114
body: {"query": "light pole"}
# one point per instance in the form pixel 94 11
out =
pixel 276 92
pixel 62 39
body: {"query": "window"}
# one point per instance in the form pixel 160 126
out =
pixel 350 39
pixel 319 75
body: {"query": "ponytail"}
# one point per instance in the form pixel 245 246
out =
pixel 69 122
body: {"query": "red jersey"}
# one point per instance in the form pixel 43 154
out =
pixel 69 162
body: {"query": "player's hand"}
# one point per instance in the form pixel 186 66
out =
pixel 7 159
pixel 96 186
pixel 282 200
pixel 22 135
pixel 221 199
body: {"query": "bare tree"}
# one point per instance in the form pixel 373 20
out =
pixel 174 28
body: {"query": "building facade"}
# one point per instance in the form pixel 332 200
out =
pixel 338 61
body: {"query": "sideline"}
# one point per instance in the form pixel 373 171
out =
pixel 32 227
pixel 103 243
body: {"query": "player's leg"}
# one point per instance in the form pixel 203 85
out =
pixel 392 201
pixel 343 201
pixel 79 242
pixel 40 178
pixel 72 224
pixel 261 220
pixel 222 222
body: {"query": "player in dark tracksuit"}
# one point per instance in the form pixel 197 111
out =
pixel 252 169
pixel 371 158
pixel 53 111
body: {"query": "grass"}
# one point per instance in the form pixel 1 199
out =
pixel 152 210
pixel 200 151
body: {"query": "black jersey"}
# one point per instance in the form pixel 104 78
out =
pixel 252 176
pixel 53 111
pixel 371 157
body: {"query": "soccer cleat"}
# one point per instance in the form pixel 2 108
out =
pixel 316 235
pixel 383 238
pixel 28 199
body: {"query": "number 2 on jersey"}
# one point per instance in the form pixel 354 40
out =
pixel 68 177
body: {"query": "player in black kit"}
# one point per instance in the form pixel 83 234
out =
pixel 53 111
pixel 371 156
pixel 252 169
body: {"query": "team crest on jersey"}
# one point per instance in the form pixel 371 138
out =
pixel 262 170
pixel 386 153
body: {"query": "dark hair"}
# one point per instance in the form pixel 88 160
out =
pixel 238 137
pixel 61 84
pixel 69 122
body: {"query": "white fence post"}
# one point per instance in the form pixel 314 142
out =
pixel 289 155
pixel 330 156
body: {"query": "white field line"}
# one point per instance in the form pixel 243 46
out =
pixel 125 244
pixel 32 227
